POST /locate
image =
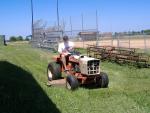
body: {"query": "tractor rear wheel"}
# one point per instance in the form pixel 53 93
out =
pixel 71 82
pixel 53 71
pixel 103 81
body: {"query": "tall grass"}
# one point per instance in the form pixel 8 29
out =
pixel 128 91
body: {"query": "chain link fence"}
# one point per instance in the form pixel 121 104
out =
pixel 50 37
pixel 136 41
pixel 128 41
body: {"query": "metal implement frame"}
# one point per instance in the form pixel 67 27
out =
pixel 118 54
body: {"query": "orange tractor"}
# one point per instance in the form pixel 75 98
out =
pixel 81 70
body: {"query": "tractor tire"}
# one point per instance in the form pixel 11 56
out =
pixel 72 82
pixel 53 71
pixel 103 81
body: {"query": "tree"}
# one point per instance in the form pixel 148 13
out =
pixel 147 32
pixel 19 38
pixel 27 39
pixel 13 38
pixel 39 24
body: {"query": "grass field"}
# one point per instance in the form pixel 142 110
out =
pixel 23 89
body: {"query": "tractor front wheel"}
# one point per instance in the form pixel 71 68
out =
pixel 103 81
pixel 71 82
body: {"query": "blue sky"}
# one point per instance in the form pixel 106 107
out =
pixel 113 15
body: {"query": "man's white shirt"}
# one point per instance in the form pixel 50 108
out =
pixel 63 46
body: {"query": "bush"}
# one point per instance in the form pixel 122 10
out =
pixel 19 38
pixel 14 38
pixel 27 39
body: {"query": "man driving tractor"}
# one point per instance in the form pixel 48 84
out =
pixel 80 69
pixel 64 49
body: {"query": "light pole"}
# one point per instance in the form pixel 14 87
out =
pixel 58 15
pixel 97 32
pixel 82 21
pixel 32 14
pixel 71 25
pixel 82 30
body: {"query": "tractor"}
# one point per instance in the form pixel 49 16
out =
pixel 82 70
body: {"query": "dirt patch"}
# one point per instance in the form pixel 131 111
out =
pixel 59 83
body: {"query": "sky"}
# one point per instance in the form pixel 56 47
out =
pixel 113 15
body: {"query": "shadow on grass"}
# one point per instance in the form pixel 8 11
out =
pixel 20 93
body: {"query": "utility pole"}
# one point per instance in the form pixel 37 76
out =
pixel 112 40
pixel 97 34
pixel 32 14
pixel 82 22
pixel 71 25
pixel 96 20
pixel 58 15
pixel 82 30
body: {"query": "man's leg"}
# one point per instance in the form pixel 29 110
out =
pixel 63 58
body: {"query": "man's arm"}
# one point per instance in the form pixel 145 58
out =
pixel 60 48
pixel 71 46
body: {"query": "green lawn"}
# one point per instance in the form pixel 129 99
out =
pixel 23 89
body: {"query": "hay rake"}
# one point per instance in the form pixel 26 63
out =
pixel 119 55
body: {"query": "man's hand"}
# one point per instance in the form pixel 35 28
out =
pixel 65 53
pixel 71 49
pixel 68 50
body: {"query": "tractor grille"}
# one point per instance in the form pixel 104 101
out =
pixel 93 67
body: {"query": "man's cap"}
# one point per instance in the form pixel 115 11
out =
pixel 65 38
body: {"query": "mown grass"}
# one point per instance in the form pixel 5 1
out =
pixel 23 89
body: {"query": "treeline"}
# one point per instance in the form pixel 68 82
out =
pixel 18 38
pixel 146 31
pixel 129 33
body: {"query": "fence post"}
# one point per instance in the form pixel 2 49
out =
pixel 129 42
pixel 118 41
pixel 83 41
pixel 112 40
pixel 145 46
pixel 97 38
